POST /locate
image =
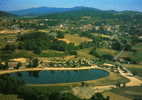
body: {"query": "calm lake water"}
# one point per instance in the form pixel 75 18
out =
pixel 52 77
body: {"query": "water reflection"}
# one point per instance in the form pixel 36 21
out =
pixel 50 77
pixel 34 74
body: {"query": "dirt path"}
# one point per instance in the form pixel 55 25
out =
pixel 133 80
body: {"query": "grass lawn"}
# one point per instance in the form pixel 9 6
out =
pixel 138 46
pixel 76 39
pixel 23 54
pixel 136 69
pixel 9 97
pixel 108 51
pixel 112 79
pixel 85 53
pixel 50 89
pixel 52 53
pixel 126 54
pixel 102 35
pixel 130 92
pixel 2 44
pixel 114 96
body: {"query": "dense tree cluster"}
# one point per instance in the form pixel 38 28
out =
pixel 38 41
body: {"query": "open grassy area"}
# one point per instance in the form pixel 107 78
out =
pixel 9 97
pixel 108 51
pixel 135 69
pixel 112 79
pixel 23 54
pixel 130 92
pixel 76 39
pixel 52 53
pixel 51 88
pixel 138 46
pixel 2 44
pixel 133 66
pixel 126 54
pixel 114 96
pixel 85 53
pixel 102 35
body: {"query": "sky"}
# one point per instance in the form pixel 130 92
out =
pixel 119 5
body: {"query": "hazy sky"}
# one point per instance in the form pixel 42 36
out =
pixel 101 4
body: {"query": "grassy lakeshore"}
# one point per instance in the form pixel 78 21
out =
pixel 136 69
pixel 42 69
pixel 111 79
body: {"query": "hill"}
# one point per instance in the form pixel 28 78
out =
pixel 79 12
pixel 2 14
pixel 45 10
pixel 110 16
pixel 76 12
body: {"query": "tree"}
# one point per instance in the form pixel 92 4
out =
pixel 62 96
pixel 9 84
pixel 99 96
pixel 18 65
pixel 107 57
pixel 60 34
pixel 118 84
pixel 10 47
pixel 38 50
pixel 96 52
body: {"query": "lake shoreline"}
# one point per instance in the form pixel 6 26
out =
pixel 2 72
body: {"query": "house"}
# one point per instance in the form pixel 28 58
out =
pixel 12 64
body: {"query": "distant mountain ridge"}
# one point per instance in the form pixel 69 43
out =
pixel 46 10
pixel 52 10
pixel 5 14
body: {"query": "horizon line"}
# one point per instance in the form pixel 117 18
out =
pixel 71 7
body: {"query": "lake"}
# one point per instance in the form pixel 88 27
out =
pixel 54 77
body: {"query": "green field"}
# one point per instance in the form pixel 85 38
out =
pixel 85 53
pixel 130 92
pixel 9 97
pixel 76 39
pixel 52 53
pixel 135 69
pixel 114 96
pixel 112 79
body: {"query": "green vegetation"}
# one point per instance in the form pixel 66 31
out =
pixel 8 85
pixel 38 41
pixel 76 39
pixel 71 39
pixel 23 54
pixel 129 92
pixel 113 78
pixel 135 69
pixel 9 97
pixel 114 96
pixel 52 53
